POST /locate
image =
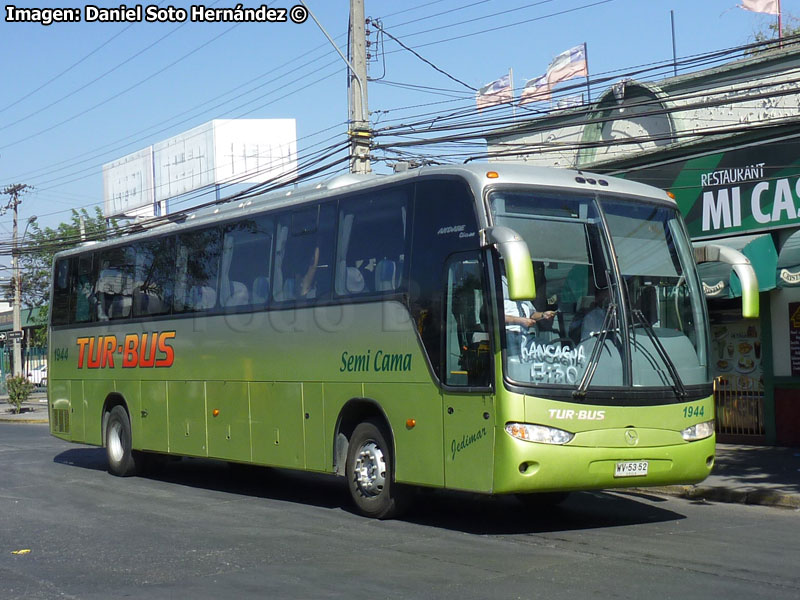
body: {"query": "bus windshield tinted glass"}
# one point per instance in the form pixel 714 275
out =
pixel 656 264
pixel 576 320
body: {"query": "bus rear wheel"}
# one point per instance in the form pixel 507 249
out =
pixel 370 473
pixel 121 457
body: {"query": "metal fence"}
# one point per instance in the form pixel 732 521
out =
pixel 33 358
pixel 740 413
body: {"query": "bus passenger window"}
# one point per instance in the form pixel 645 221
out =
pixel 59 312
pixel 246 261
pixel 371 250
pixel 83 299
pixel 153 286
pixel 303 254
pixel 197 270
pixel 114 287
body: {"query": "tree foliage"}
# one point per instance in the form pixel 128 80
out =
pixel 790 26
pixel 36 257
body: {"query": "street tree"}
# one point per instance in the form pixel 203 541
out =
pixel 36 258
pixel 768 37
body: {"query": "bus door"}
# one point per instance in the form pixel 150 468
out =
pixel 467 399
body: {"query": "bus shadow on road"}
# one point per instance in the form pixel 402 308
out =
pixel 502 515
pixel 322 490
pixel 469 513
pixel 85 458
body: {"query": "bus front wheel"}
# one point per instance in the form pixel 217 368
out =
pixel 121 459
pixel 370 473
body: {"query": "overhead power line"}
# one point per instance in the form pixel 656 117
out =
pixel 377 25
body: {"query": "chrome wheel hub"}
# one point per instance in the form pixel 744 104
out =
pixel 370 469
pixel 115 447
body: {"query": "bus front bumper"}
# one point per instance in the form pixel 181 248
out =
pixel 523 466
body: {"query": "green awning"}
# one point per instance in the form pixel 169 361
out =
pixel 788 269
pixel 719 280
pixel 29 317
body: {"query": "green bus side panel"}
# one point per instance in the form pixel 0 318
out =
pixel 77 428
pixel 314 427
pixel 423 404
pixel 229 431
pixel 153 416
pixel 131 393
pixel 187 417
pixel 468 442
pixel 277 424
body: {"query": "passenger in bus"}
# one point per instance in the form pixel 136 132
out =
pixel 521 317
pixel 593 319
pixel 301 284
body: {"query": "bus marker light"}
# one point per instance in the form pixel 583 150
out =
pixel 492 174
pixel 411 423
pixel 215 412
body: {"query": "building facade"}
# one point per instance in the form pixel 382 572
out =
pixel 725 142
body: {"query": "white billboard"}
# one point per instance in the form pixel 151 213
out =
pixel 218 153
pixel 185 162
pixel 128 183
pixel 225 151
pixel 254 150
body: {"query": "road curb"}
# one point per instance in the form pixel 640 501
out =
pixel 23 420
pixel 729 495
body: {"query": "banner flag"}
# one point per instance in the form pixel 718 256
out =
pixel 536 89
pixel 494 93
pixel 570 63
pixel 771 7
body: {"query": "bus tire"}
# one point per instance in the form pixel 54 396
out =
pixel 121 458
pixel 370 473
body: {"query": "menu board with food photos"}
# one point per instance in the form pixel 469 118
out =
pixel 736 356
pixel 794 337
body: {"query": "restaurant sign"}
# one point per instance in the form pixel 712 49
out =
pixel 736 191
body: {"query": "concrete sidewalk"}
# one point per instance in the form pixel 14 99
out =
pixel 764 475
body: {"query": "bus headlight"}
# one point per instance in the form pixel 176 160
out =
pixel 538 433
pixel 698 432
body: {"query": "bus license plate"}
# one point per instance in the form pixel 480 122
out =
pixel 631 469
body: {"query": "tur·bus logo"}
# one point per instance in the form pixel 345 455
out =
pixel 136 350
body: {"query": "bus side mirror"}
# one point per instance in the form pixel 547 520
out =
pixel 517 258
pixel 743 269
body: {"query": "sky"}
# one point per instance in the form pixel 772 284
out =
pixel 78 95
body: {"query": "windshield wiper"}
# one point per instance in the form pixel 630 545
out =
pixel 594 359
pixel 680 389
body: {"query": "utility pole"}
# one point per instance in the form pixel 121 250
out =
pixel 360 132
pixel 14 191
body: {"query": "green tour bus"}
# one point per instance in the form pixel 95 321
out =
pixel 500 329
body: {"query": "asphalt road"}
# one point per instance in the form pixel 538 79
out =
pixel 202 530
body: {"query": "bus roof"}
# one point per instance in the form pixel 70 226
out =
pixel 477 175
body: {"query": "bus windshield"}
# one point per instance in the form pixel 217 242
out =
pixel 618 301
